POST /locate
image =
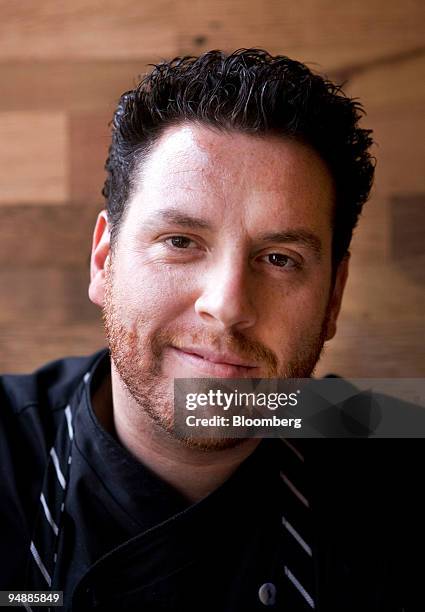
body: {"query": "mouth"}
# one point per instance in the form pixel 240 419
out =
pixel 214 364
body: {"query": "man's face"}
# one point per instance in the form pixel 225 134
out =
pixel 222 266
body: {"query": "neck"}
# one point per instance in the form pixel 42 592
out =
pixel 194 473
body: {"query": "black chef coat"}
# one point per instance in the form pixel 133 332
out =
pixel 128 541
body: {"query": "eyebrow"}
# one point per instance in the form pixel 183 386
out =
pixel 175 216
pixel 299 236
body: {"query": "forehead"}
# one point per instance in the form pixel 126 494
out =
pixel 204 169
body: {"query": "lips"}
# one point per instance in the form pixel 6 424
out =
pixel 216 357
pixel 216 364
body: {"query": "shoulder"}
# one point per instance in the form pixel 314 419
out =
pixel 31 407
pixel 50 386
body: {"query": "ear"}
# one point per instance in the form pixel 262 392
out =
pixel 336 297
pixel 100 255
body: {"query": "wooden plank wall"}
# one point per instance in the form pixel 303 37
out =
pixel 63 66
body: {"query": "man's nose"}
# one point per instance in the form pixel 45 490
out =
pixel 226 299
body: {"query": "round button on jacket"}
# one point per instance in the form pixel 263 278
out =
pixel 267 594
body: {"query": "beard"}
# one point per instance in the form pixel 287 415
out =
pixel 137 358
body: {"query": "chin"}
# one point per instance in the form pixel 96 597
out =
pixel 209 444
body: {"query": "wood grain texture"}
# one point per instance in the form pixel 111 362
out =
pixel 328 34
pixel 72 86
pixel 90 136
pixel 36 236
pixel 26 347
pixel 33 157
pixel 55 295
pixel 87 29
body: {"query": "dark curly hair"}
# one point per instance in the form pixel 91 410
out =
pixel 255 93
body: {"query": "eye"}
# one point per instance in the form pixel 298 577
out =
pixel 179 242
pixel 281 261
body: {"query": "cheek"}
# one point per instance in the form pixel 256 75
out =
pixel 290 317
pixel 152 292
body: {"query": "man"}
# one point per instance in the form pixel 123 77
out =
pixel 234 184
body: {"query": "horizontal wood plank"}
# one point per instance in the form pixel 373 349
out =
pixel 87 29
pixel 90 136
pixel 39 235
pixel 71 86
pixel 33 157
